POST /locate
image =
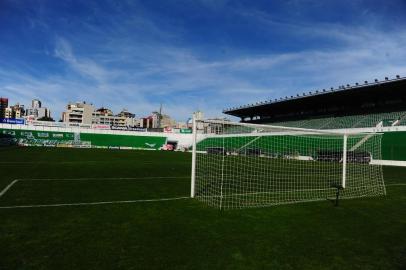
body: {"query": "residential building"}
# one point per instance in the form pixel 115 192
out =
pixel 106 119
pixel 37 111
pixel 78 113
pixel 43 112
pixel 85 114
pixel 104 111
pixel 104 116
pixel 133 122
pixel 8 113
pixel 3 106
pixel 125 113
pixel 36 103
pixel 18 111
pixel 151 121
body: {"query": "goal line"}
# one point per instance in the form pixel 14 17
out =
pixel 93 203
pixel 14 182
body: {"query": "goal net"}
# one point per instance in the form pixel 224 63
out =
pixel 238 165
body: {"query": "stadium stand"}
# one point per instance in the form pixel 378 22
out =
pixel 354 121
pixel 377 104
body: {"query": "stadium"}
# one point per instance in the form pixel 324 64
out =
pixel 321 171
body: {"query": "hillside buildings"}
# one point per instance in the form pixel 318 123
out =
pixel 82 114
pixel 17 111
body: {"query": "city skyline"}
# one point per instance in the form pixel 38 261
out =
pixel 201 55
pixel 56 118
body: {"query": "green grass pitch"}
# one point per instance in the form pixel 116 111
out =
pixel 368 233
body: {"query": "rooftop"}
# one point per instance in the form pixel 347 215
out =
pixel 340 88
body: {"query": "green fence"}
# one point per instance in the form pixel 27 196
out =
pixel 393 144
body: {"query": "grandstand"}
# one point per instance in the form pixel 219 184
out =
pixel 377 104
pixel 350 121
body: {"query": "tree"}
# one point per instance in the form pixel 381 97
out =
pixel 46 118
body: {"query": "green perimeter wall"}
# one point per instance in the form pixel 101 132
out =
pixel 109 140
pixel 96 140
pixel 393 144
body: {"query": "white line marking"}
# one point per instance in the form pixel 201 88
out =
pixel 8 187
pixel 396 184
pixel 68 162
pixel 105 178
pixel 92 203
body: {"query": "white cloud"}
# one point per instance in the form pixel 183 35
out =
pixel 140 75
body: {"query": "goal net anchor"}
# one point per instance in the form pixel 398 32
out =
pixel 338 189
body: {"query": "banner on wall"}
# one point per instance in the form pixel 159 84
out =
pixel 185 130
pixel 98 126
pixel 168 130
pixel 129 128
pixel 13 121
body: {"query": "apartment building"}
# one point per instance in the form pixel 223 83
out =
pixel 78 113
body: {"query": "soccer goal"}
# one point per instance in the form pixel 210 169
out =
pixel 238 165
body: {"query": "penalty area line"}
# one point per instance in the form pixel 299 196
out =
pixel 93 203
pixel 105 178
pixel 8 187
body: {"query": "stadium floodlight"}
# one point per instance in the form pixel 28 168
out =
pixel 240 165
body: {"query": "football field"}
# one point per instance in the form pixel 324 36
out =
pixel 115 209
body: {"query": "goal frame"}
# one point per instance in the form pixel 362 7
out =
pixel 343 133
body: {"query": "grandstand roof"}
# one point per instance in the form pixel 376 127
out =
pixel 378 96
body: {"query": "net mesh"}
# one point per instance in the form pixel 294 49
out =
pixel 241 165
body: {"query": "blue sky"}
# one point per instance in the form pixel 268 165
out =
pixel 190 55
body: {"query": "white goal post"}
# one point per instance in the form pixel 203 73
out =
pixel 239 165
